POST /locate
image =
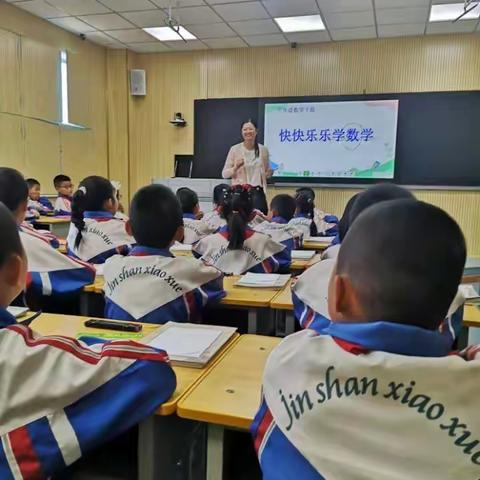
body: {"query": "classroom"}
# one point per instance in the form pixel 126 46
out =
pixel 239 239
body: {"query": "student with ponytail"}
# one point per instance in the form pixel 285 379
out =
pixel 236 248
pixel 95 232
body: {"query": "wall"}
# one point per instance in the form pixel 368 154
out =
pixel 174 81
pixel 30 138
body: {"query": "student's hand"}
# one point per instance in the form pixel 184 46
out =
pixel 240 163
pixel 199 215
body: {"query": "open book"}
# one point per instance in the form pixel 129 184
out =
pixel 302 254
pixel 189 344
pixel 263 280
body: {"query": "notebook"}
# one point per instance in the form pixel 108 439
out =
pixel 302 254
pixel 469 292
pixel 189 344
pixel 263 280
pixel 180 247
pixel 17 312
pixel 322 240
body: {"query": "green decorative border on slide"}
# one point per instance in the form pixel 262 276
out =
pixel 275 107
pixel 383 170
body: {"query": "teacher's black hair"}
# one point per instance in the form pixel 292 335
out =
pixel 254 123
pixel 155 216
pixel 393 281
pixel 91 195
pixel 306 207
pixel 237 210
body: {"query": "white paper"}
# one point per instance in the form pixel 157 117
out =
pixel 17 311
pixel 180 247
pixel 302 254
pixel 99 269
pixel 263 279
pixel 469 292
pixel 186 342
pixel 325 240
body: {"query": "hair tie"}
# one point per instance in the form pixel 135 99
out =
pixel 82 189
pixel 235 211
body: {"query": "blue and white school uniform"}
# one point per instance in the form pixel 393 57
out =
pixel 310 295
pixel 49 271
pixel 151 285
pixel 61 399
pixel 214 219
pixel 63 206
pixel 279 230
pixel 195 229
pixel 302 223
pixel 43 234
pixel 259 254
pixel 369 401
pixel 327 224
pixel 39 206
pixel 104 235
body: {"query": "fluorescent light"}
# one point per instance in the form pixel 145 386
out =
pixel 451 11
pixel 306 23
pixel 166 34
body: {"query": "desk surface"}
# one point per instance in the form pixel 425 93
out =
pixel 229 394
pixel 304 264
pixel 316 244
pixel 283 299
pixel 246 296
pixel 69 325
pixel 471 315
pixel 52 220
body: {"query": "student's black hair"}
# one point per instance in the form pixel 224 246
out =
pixel 59 179
pixel 344 223
pixel 305 205
pixel 378 193
pixel 306 190
pixel 10 243
pixel 31 182
pixel 284 205
pixel 395 280
pixel 91 195
pixel 254 123
pixel 155 215
pixel 188 199
pixel 219 193
pixel 237 210
pixel 13 188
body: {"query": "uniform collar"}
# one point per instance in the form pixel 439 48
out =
pixel 6 318
pixel 301 215
pixel 189 215
pixel 140 251
pixel 279 219
pixel 97 214
pixel 391 337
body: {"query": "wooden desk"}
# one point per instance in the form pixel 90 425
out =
pixel 318 245
pixel 229 394
pixel 59 226
pixel 163 428
pixel 471 315
pixel 283 299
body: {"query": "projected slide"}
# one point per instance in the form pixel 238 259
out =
pixel 332 139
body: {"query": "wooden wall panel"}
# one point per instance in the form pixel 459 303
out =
pixel 431 63
pixel 42 163
pixel 11 141
pixel 10 72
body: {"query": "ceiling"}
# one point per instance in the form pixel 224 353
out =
pixel 239 23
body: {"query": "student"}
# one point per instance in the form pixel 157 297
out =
pixel 194 227
pixel 60 398
pixel 150 284
pixel 282 210
pixel 377 394
pixel 236 248
pixel 64 187
pixel 324 224
pixel 304 214
pixel 51 274
pixel 35 200
pixel 95 233
pixel 307 294
pixel 214 218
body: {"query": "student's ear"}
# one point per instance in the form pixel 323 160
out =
pixel 343 301
pixel 179 235
pixel 15 274
pixel 128 228
pixel 271 213
pixel 21 211
pixel 110 205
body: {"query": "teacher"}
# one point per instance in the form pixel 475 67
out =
pixel 247 163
